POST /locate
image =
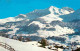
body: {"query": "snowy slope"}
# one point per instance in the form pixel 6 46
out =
pixel 70 17
pixel 13 19
pixel 3 49
pixel 58 31
pixel 22 46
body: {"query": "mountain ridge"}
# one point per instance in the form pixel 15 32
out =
pixel 34 14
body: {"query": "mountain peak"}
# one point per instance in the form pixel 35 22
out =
pixel 21 16
pixel 68 9
pixel 52 9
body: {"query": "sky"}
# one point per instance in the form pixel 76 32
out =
pixel 12 8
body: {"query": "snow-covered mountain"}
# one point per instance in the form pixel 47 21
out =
pixel 49 12
pixel 13 19
pixel 72 16
pixel 45 23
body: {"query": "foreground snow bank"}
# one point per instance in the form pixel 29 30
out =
pixel 22 46
pixel 3 49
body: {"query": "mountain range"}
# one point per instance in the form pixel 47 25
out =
pixel 48 23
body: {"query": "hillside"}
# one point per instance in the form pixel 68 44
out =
pixel 20 46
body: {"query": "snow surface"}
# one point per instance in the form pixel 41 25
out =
pixel 22 46
pixel 13 19
pixel 59 31
pixel 38 23
pixel 1 28
pixel 3 49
